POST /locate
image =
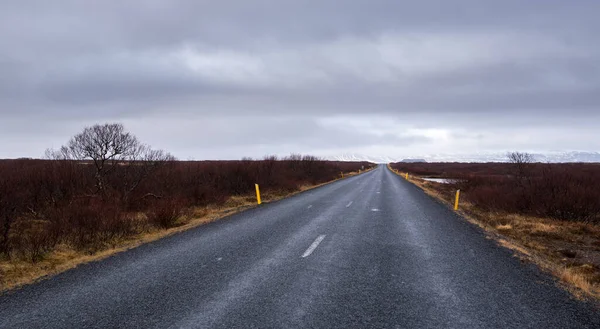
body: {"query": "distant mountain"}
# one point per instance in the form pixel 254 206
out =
pixel 552 157
pixel 361 157
pixel 569 157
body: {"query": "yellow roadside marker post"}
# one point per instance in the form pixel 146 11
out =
pixel 457 199
pixel 407 176
pixel 342 173
pixel 257 194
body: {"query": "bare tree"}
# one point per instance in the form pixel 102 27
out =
pixel 140 167
pixel 294 157
pixel 519 157
pixel 294 160
pixel 521 163
pixel 109 147
pixel 268 166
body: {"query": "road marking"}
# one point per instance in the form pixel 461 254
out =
pixel 348 205
pixel 310 206
pixel 313 246
pixel 374 209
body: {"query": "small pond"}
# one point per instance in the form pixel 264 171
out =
pixel 441 180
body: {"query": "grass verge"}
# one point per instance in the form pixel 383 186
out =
pixel 15 273
pixel 568 250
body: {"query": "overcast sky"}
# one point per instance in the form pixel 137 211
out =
pixel 226 79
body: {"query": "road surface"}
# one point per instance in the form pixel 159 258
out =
pixel 370 251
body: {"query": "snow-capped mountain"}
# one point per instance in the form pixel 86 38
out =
pixel 552 157
pixel 361 157
pixel 574 156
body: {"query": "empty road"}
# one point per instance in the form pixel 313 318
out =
pixel 370 251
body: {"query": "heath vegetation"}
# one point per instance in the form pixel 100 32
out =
pixel 104 186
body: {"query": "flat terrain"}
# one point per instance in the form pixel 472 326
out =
pixel 367 251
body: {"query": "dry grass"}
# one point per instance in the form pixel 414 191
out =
pixel 568 250
pixel 514 246
pixel 17 272
pixel 505 227
pixel 574 277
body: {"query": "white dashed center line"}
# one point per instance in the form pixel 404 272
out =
pixel 349 204
pixel 313 246
pixel 310 206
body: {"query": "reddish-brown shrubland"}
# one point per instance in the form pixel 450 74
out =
pixel 568 192
pixel 44 203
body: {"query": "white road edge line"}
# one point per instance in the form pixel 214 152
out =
pixel 313 246
pixel 348 205
pixel 310 206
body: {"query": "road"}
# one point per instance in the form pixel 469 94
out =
pixel 369 251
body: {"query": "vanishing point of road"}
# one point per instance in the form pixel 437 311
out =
pixel 369 251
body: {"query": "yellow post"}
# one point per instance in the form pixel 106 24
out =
pixel 257 194
pixel 406 175
pixel 457 199
pixel 342 173
pixel 359 171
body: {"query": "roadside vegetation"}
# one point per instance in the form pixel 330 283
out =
pixel 105 191
pixel 549 213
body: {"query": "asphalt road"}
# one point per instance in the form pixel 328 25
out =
pixel 370 251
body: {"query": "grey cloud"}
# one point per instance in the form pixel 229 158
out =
pixel 120 83
pixel 282 135
pixel 159 23
pixel 434 64
pixel 499 87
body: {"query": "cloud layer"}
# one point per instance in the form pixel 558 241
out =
pixel 227 79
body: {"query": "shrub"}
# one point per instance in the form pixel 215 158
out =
pixel 30 238
pixel 561 191
pixel 47 202
pixel 164 213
